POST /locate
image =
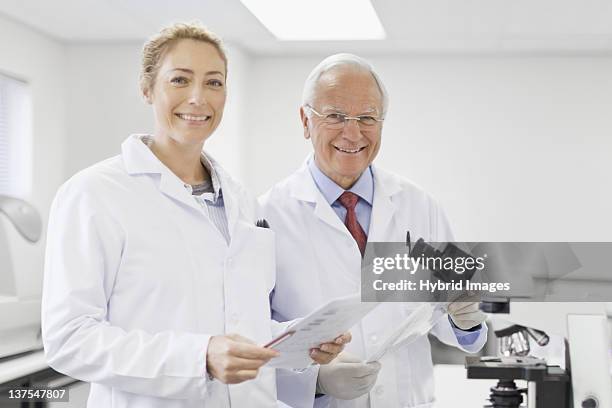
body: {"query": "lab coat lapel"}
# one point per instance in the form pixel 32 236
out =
pixel 326 214
pixel 174 188
pixel 139 159
pixel 305 189
pixel 383 208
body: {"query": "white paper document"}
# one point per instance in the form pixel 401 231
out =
pixel 321 326
pixel 417 324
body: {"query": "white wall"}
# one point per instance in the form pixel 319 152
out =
pixel 105 105
pixel 33 57
pixel 103 102
pixel 515 148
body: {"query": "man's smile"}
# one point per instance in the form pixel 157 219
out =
pixel 349 150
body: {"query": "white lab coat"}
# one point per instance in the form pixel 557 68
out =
pixel 137 279
pixel 318 259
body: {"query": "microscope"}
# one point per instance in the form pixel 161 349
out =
pixel 540 273
pixel 542 289
pixel 585 381
pixel 561 289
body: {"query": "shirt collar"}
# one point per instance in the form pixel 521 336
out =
pixel 364 187
pixel 214 177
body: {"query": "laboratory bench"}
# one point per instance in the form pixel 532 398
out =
pixel 29 371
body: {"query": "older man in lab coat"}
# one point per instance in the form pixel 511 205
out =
pixel 324 214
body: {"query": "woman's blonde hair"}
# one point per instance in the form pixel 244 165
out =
pixel 156 47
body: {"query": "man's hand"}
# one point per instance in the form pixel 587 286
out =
pixel 347 377
pixel 328 351
pixel 465 313
pixel 233 359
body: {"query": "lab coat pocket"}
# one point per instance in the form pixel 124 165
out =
pixel 251 278
pixel 260 253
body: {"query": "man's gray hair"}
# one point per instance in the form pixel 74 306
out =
pixel 334 61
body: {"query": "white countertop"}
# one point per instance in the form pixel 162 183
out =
pixel 16 367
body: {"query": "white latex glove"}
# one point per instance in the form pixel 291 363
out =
pixel 465 313
pixel 347 377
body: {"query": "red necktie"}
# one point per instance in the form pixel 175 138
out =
pixel 349 201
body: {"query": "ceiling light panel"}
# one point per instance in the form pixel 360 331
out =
pixel 318 20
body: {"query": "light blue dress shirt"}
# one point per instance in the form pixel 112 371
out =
pixel 364 188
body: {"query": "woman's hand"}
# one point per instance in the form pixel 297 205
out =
pixel 233 359
pixel 328 351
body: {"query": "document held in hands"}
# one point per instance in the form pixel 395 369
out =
pixel 321 326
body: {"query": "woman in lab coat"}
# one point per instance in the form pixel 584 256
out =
pixel 153 254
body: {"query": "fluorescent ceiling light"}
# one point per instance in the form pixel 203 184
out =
pixel 318 19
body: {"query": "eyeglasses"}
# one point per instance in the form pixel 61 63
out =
pixel 337 120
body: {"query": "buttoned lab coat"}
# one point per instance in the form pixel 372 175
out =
pixel 318 260
pixel 137 279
